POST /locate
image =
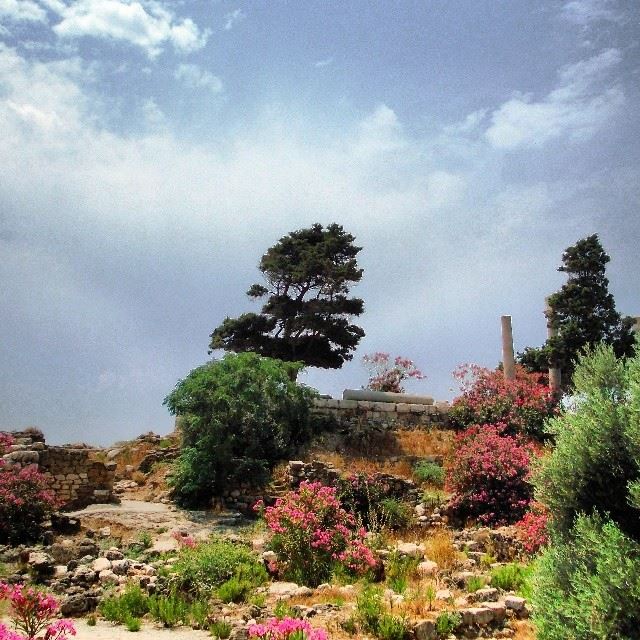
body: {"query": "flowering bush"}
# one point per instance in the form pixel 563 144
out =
pixel 522 405
pixel 25 500
pixel 387 376
pixel 313 534
pixel 287 629
pixel 532 528
pixel 31 612
pixel 489 475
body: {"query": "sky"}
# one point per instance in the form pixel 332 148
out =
pixel 152 150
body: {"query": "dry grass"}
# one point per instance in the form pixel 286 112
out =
pixel 525 630
pixel 439 548
pixel 359 464
pixel 424 443
pixel 331 595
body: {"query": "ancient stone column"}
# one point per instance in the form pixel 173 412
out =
pixel 508 358
pixel 555 374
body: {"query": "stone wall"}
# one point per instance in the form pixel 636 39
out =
pixel 74 475
pixel 359 414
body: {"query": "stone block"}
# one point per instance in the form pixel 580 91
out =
pixel 365 405
pixel 515 603
pixel 384 407
pixel 348 404
pixel 499 610
pixel 425 630
pixel 417 408
pixel 403 407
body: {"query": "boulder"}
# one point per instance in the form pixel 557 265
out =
pixel 425 630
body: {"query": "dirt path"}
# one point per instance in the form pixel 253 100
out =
pixel 107 631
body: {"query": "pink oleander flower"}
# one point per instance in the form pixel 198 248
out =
pixel 31 612
pixel 186 541
pixel 287 629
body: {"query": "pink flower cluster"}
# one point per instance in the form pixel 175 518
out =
pixel 184 540
pixel 24 498
pixel 312 532
pixel 532 529
pixel 489 475
pixel 521 405
pixel 31 612
pixel 287 629
pixel 385 375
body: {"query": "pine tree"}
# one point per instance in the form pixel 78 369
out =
pixel 582 312
pixel 307 312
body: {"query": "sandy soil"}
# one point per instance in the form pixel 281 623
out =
pixel 107 631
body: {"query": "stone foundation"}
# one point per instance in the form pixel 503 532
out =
pixel 386 416
pixel 74 475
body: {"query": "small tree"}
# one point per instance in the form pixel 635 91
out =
pixel 239 416
pixel 306 316
pixel 385 375
pixel 583 312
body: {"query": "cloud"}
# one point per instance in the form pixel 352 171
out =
pixel 195 77
pixel 232 18
pixel 148 25
pixel 323 63
pixel 21 11
pixel 585 12
pixel 584 99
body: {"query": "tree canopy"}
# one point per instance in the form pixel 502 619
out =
pixel 582 312
pixel 307 310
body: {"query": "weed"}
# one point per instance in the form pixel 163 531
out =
pixel 474 583
pixel 349 626
pixel 283 610
pixel 234 590
pixel 220 629
pixel 434 498
pixel 487 560
pixel 369 608
pixel 429 473
pixel 132 624
pixel 145 539
pixel 133 603
pixel 440 549
pixel 257 599
pixel 199 614
pixel 91 620
pixel 169 610
pixel 398 571
pixel 447 622
pixel 392 627
pixel 509 577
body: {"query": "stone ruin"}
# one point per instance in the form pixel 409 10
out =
pixel 75 475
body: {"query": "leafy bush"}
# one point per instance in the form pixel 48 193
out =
pixel 588 587
pixel 387 376
pixel 509 577
pixel 312 533
pixel 25 500
pixel 429 473
pixel 239 416
pixel 205 567
pixel 488 476
pixel 521 405
pixel 132 624
pixel 596 459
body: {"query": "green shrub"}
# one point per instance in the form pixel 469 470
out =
pixel 509 577
pixel 169 610
pixel 239 416
pixel 283 610
pixel 199 614
pixel 220 629
pixel 202 569
pixel 429 473
pixel 597 454
pixel 369 608
pixel 392 627
pixel 234 590
pixel 474 583
pixel 91 620
pixel 133 603
pixel 132 624
pixel 447 622
pixel 396 514
pixel 398 570
pixel 588 587
pixel 434 498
